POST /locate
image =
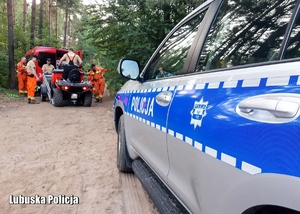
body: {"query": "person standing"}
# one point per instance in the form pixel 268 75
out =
pixel 32 79
pixel 22 76
pixel 96 77
pixel 48 67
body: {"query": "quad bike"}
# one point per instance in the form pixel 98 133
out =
pixel 72 89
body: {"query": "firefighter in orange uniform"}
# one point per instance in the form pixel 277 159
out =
pixel 96 77
pixel 32 79
pixel 22 76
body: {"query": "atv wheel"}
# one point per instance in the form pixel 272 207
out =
pixel 124 162
pixel 87 102
pixel 58 97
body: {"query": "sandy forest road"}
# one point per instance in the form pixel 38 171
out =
pixel 71 150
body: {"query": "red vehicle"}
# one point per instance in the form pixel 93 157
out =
pixel 44 52
pixel 60 91
pixel 74 89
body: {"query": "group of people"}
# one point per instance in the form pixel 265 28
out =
pixel 28 78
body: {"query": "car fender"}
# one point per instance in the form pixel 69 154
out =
pixel 118 111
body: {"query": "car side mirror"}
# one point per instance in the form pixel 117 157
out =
pixel 129 68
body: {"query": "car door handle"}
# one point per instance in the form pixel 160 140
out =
pixel 279 106
pixel 164 98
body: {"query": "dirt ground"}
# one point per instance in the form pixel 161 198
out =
pixel 71 151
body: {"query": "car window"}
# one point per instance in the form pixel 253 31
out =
pixel 293 46
pixel 171 57
pixel 245 32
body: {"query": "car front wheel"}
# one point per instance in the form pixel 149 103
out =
pixel 124 162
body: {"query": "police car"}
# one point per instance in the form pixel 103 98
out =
pixel 214 114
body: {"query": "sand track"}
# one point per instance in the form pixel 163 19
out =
pixel 71 150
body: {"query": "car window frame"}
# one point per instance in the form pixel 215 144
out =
pixel 212 15
pixel 289 32
pixel 196 12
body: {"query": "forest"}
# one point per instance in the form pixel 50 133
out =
pixel 105 31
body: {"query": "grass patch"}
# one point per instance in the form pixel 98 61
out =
pixel 7 95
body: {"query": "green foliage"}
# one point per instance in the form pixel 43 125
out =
pixel 3 46
pixel 47 40
pixel 104 32
pixel 4 71
pixel 129 28
pixel 113 79
pixel 22 36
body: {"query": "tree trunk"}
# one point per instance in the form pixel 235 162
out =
pixel 24 15
pixel 49 18
pixel 66 27
pixel 32 27
pixel 69 31
pixel 14 11
pixel 56 22
pixel 41 19
pixel 11 60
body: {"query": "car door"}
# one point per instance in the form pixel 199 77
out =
pixel 237 115
pixel 149 102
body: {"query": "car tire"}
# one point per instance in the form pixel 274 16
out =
pixel 58 97
pixel 124 162
pixel 87 102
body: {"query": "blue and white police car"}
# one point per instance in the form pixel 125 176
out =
pixel 212 120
